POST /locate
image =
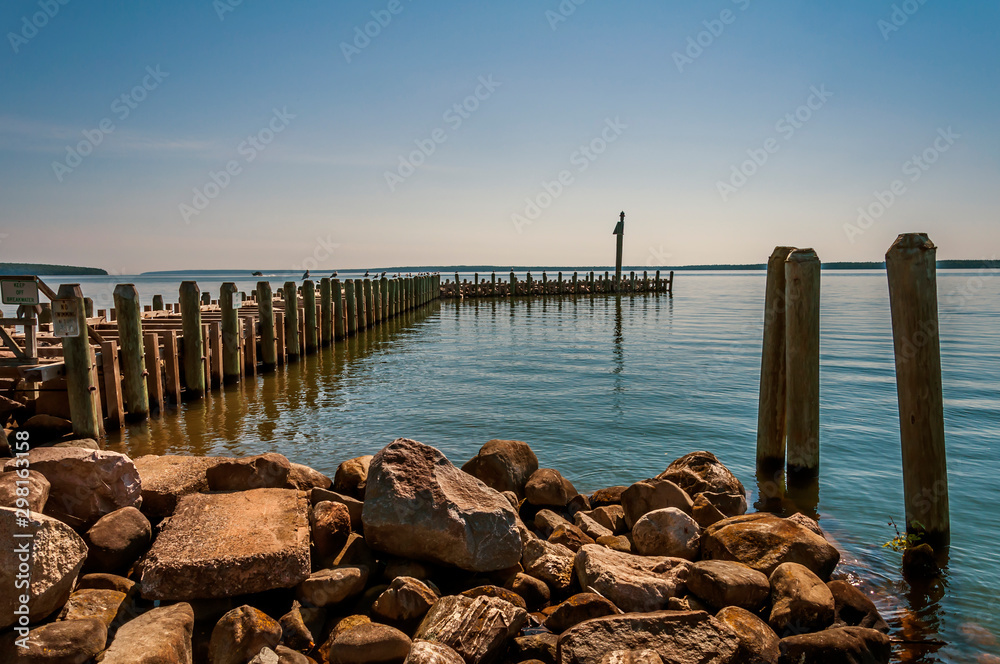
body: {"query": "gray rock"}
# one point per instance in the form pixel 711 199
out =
pixel 546 521
pixel 167 478
pixel 265 656
pixel 667 532
pixel 632 583
pixel 304 478
pixel 418 505
pixel 548 488
pixel 159 636
pixel 800 601
pixel 649 495
pixel 88 603
pixel 764 541
pixel 476 628
pixel 24 479
pixel 721 583
pixel 503 465
pixel 239 636
pixel 264 471
pixel 332 586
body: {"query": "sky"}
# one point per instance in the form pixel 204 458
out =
pixel 140 136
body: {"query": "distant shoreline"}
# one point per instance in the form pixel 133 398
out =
pixel 34 269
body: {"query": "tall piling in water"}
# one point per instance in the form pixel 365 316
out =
pixel 133 364
pixel 189 297
pixel 265 306
pixel 291 322
pixel 802 296
pixel 772 403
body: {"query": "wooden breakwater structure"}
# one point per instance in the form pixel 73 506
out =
pixel 100 369
pixel 576 284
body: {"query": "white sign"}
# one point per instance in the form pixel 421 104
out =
pixel 65 317
pixel 19 292
pixel 237 300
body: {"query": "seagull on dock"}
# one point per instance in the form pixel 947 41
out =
pixel 334 275
pixel 306 275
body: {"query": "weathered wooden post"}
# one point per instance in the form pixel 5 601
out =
pixel 383 289
pixel 772 403
pixel 309 318
pixel 339 318
pixel 527 281
pixel 912 270
pixel 171 364
pixel 154 376
pixel 134 388
pixel 359 297
pixel 231 341
pixel 194 355
pixel 265 307
pixel 88 305
pixel 352 311
pixel 325 311
pixel 80 386
pixel 157 303
pixel 513 284
pixel 802 296
pixel 112 384
pixel 369 303
pixel 291 321
pixel 214 373
pixel 206 298
pixel 671 291
pixel 620 232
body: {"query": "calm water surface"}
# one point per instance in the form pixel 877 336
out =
pixel 609 391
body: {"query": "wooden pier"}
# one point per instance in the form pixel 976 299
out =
pixel 589 283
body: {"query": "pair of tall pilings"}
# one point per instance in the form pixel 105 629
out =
pixel 788 426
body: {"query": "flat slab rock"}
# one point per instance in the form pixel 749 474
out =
pixel 221 545
pixel 167 478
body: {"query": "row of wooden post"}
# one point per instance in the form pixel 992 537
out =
pixel 788 427
pixel 575 285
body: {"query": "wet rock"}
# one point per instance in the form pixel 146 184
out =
pixel 704 512
pixel 369 643
pixel 227 544
pixel 632 583
pixel 539 647
pixel 552 563
pixel 534 592
pixel 701 471
pixel 632 657
pixel 503 465
pixel 800 601
pixel 101 604
pixel 852 608
pixel 758 642
pixel 294 631
pixel 576 609
pixel 499 593
pixel 570 536
pixel 616 543
pixel 304 478
pixel 548 488
pixel 44 428
pixel 428 652
pixel 591 527
pixel 920 562
pixel 102 581
pixel 354 506
pixel 677 637
pixel 547 521
pixel 667 532
pixel 332 586
pixel 611 517
pixel 331 526
pixel 649 495
pixel 32 481
pixel 476 628
pixel 63 642
pixel 764 541
pixel 167 478
pixel 844 645
pixel 240 635
pixel 418 505
pixel 406 599
pixel 56 560
pixel 159 636
pixel 85 484
pixel 352 477
pixel 264 471
pixel 117 540
pixel 722 583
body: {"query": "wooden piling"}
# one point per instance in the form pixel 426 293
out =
pixel 912 272
pixel 154 375
pixel 309 320
pixel 112 384
pixel 620 233
pixel 171 364
pixel 194 356
pixel 383 291
pixel 326 311
pixel 231 341
pixel 265 309
pixel 350 296
pixel 291 321
pixel 339 317
pixel 80 386
pixel 361 303
pixel 279 336
pixel 131 344
pixel 369 303
pixel 772 402
pixel 215 355
pixel 157 303
pixel 802 296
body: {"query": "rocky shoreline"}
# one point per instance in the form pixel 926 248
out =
pixel 404 557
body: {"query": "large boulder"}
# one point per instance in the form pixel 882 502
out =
pixel 800 601
pixel 56 553
pixel 504 465
pixel 649 495
pixel 160 636
pixel 764 541
pixel 14 484
pixel 264 471
pixel 63 642
pixel 418 505
pixel 844 645
pixel 167 478
pixel 667 532
pixel 548 488
pixel 85 484
pixel 678 637
pixel 227 544
pixel 352 477
pixel 240 634
pixel 853 608
pixel 699 472
pixel 475 627
pixel 758 642
pixel 552 563
pixel 44 428
pixel 117 540
pixel 721 583
pixel 634 583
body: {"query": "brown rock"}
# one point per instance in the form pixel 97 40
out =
pixel 85 443
pixel 476 628
pixel 758 642
pixel 10 408
pixel 764 541
pixel 304 478
pixel 24 479
pixel 844 645
pixel 616 543
pixel 428 652
pixel 547 521
pixel 729 504
pixel 294 631
pixel 331 526
pixel 547 487
pixel 289 656
pixel 534 592
pixel 101 581
pixel 406 599
pixel 800 601
pixel 344 624
pixel 160 636
pixel 701 471
pixel 540 647
pixel 369 643
pixel 117 540
pixel 352 477
pixel 404 567
pixel 591 527
pixel 498 592
pixel 704 512
pixel 606 497
pixel 576 609
pixel 632 657
pixel 264 471
pixel 418 505
pixel 240 635
pixel 227 544
pixel 578 503
pixel 355 552
pixel 44 428
pixel 722 583
pixel 102 604
pixel 570 536
pixel 63 642
pixel 649 495
pixel 632 583
pixel 852 608
pixel 503 465
pixel 677 637
pixel 667 532
pixel 353 505
pixel 512 499
pixel 552 563
pixel 56 560
pixel 167 478
pixel 332 586
pixel 611 517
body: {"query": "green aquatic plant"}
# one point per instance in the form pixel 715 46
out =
pixel 901 542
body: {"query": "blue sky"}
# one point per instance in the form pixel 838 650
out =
pixel 583 110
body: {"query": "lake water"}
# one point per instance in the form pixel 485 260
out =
pixel 610 390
